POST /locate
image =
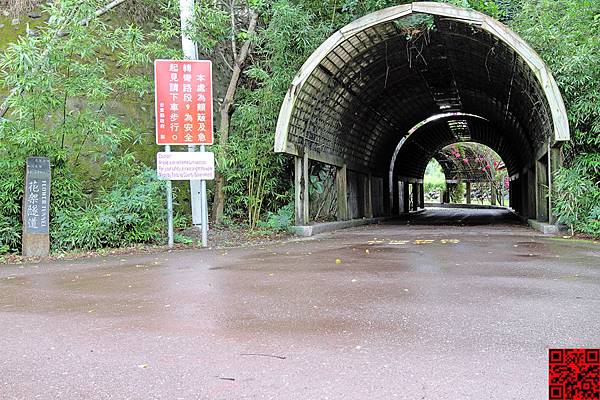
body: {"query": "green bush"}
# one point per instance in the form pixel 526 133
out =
pixel 11 192
pixel 457 193
pixel 281 220
pixel 131 212
pixel 577 200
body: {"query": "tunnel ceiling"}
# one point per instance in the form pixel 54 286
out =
pixel 364 89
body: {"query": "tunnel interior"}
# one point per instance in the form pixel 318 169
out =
pixel 385 94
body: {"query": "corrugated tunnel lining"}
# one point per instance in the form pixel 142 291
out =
pixel 378 83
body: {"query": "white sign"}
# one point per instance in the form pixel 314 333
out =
pixel 185 166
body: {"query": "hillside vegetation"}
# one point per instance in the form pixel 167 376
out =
pixel 81 94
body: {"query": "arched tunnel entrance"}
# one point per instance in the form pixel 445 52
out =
pixel 466 173
pixel 383 95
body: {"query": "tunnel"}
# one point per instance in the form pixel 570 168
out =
pixel 384 94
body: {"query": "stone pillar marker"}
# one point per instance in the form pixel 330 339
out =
pixel 36 208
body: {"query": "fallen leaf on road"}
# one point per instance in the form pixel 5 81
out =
pixel 338 261
pixel 143 365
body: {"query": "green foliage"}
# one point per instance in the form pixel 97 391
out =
pixel 281 220
pixel 256 179
pixel 131 212
pixel 434 180
pixel 210 26
pixel 182 239
pixel 457 194
pixel 497 9
pixel 64 86
pixel 565 34
pixel 577 198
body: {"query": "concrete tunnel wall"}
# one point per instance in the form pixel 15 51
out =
pixel 384 94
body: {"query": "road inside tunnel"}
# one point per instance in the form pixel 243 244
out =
pixel 457 216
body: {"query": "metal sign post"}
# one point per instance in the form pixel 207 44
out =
pixel 197 188
pixel 188 47
pixel 184 113
pixel 170 233
pixel 204 206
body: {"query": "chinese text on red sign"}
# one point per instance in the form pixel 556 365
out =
pixel 184 112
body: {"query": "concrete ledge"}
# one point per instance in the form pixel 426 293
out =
pixel 310 230
pixel 544 227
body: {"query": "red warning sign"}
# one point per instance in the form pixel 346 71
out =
pixel 183 97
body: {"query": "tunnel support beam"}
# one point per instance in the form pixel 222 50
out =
pixel 387 201
pixel 302 209
pixel 555 162
pixel 368 196
pixel 421 195
pixel 512 194
pixel 531 188
pixel 541 189
pixel 468 192
pixel 493 193
pixel 397 197
pixel 341 184
pixel 405 197
pixel 415 196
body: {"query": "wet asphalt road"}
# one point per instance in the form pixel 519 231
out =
pixel 407 312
